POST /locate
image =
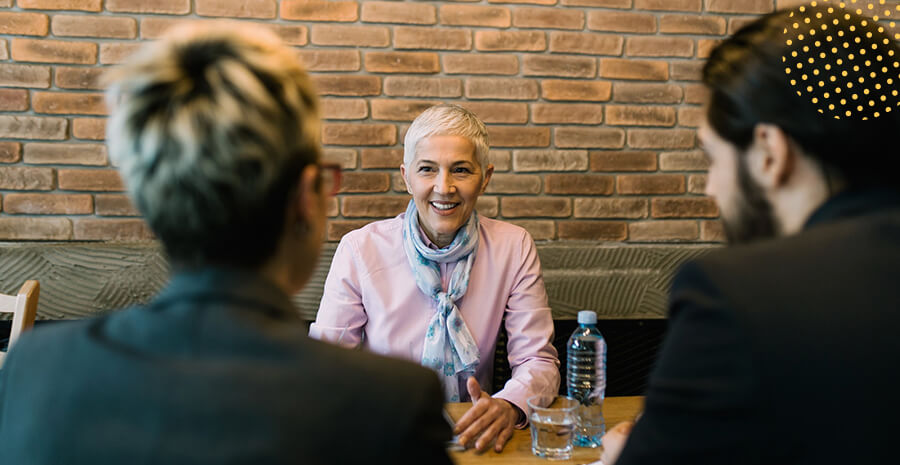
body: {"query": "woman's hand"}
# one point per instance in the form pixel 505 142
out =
pixel 489 420
pixel 614 442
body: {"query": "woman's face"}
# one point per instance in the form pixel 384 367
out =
pixel 445 180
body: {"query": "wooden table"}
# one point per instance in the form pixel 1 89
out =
pixel 518 449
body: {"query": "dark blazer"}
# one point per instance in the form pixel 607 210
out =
pixel 218 369
pixel 784 351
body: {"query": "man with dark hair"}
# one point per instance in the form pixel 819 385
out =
pixel 781 349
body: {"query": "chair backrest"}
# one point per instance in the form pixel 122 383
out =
pixel 23 306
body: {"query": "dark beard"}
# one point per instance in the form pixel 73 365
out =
pixel 753 218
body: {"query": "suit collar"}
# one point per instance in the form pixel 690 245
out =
pixel 853 203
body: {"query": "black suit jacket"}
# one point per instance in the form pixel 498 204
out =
pixel 217 370
pixel 785 351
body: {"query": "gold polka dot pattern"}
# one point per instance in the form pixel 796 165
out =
pixel 845 70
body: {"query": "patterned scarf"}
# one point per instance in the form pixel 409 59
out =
pixel 449 348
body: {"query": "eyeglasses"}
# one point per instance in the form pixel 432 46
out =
pixel 330 178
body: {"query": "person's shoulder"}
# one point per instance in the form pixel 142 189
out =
pixel 376 231
pixel 497 228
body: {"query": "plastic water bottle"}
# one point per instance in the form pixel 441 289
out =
pixel 586 379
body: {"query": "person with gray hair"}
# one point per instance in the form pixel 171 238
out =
pixel 215 132
pixel 460 277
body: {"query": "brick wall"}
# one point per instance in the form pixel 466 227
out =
pixel 592 106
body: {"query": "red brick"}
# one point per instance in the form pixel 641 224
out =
pixel 54 51
pixel 265 9
pixel 13 99
pixel 333 208
pixel 622 208
pixel 514 184
pixel 348 85
pixel 346 158
pixel 501 159
pixel 661 138
pixel 49 204
pixel 12 75
pixel 330 60
pixel 381 158
pixel 536 207
pixel 358 36
pixel 155 27
pixel 566 113
pixel 79 78
pixel 501 88
pixel 402 62
pixel 469 63
pixel 432 38
pixel 598 3
pixel 712 231
pixel 643 184
pixel 24 228
pixel 404 86
pixel 589 138
pixel 10 152
pixel 32 127
pixel 702 207
pixel 659 47
pixel 735 24
pixel 683 161
pixel 499 112
pixel 550 160
pixel 373 206
pixel 687 70
pixel 39 153
pixel 96 229
pixel 585 43
pixel 579 184
pixel 337 228
pixel 23 24
pixel 696 93
pixel 548 18
pixel 669 5
pixel 335 108
pixel 592 230
pixel 644 70
pixel 64 103
pixel 627 92
pixel 4 50
pixel 540 230
pixel 94 26
pixel 398 12
pixel 623 161
pixel 82 5
pixel 739 6
pixel 353 182
pixel 328 10
pixel 398 110
pixel 503 41
pixel 584 91
pixel 114 205
pixel 26 178
pixel 639 115
pixel 475 15
pixel 562 66
pixel 90 180
pixel 164 7
pixel 291 35
pixel 89 128
pixel 518 136
pixel 116 53
pixel 696 183
pixel 692 24
pixel 706 46
pixel 534 2
pixel 359 134
pixel 690 116
pixel 621 22
pixel 662 231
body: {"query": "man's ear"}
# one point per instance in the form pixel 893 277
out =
pixel 771 157
pixel 308 199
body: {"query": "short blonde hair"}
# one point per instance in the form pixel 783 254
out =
pixel 210 128
pixel 447 119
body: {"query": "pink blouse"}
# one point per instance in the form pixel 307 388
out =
pixel 371 299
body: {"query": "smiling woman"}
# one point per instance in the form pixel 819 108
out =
pixel 442 301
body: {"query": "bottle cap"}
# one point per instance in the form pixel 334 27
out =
pixel 587 317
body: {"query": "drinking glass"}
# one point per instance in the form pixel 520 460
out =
pixel 552 422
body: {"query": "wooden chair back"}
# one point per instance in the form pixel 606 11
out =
pixel 23 306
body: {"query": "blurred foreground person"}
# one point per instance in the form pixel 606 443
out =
pixel 215 130
pixel 782 349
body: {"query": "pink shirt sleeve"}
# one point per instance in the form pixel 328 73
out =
pixel 529 325
pixel 341 318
